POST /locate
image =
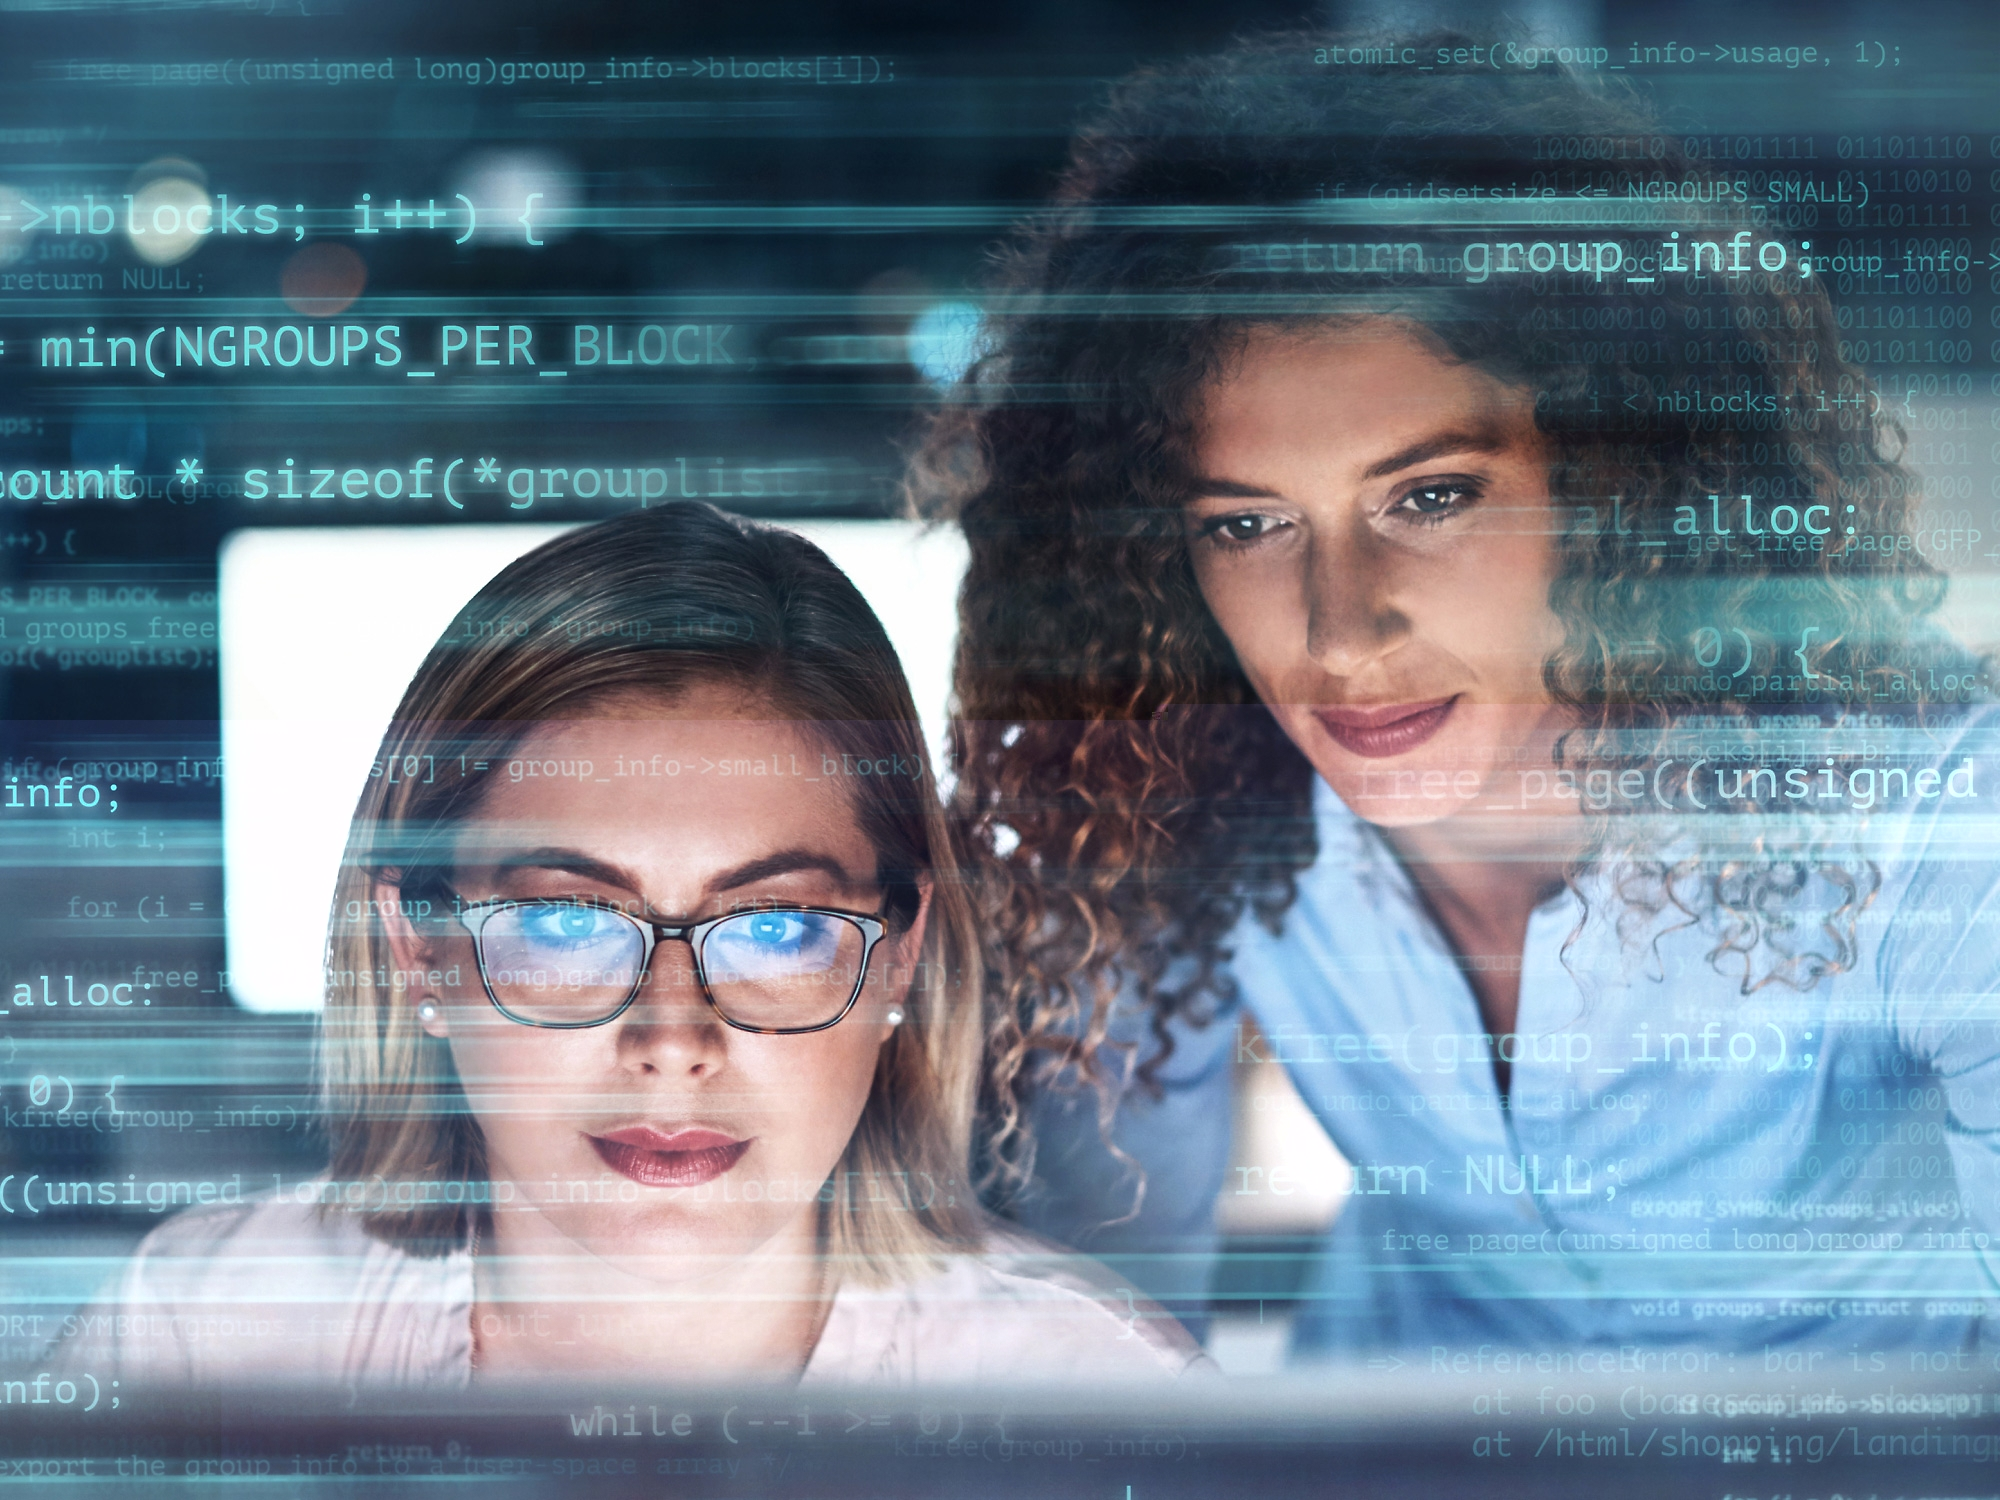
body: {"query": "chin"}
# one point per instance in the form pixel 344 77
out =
pixel 1370 795
pixel 1395 812
pixel 670 1248
pixel 1430 783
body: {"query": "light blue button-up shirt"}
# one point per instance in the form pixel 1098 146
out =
pixel 1814 1175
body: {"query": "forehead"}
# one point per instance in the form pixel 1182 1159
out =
pixel 1361 386
pixel 698 783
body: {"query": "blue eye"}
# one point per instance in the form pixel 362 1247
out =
pixel 772 942
pixel 769 927
pixel 562 924
pixel 560 963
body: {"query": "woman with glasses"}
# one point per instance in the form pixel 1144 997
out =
pixel 653 1033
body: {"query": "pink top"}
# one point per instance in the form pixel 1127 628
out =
pixel 273 1291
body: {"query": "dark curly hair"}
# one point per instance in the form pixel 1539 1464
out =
pixel 1130 798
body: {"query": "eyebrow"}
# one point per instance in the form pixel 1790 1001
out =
pixel 786 862
pixel 570 861
pixel 764 867
pixel 1436 446
pixel 1229 489
pixel 1421 451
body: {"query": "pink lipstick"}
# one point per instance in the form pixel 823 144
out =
pixel 1391 729
pixel 686 1158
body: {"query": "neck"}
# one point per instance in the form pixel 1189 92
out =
pixel 1482 873
pixel 1488 867
pixel 1490 864
pixel 547 1304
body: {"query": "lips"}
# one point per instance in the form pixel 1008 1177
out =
pixel 685 1158
pixel 1390 729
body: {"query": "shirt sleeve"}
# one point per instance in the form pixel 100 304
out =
pixel 1143 1202
pixel 130 1334
pixel 1939 970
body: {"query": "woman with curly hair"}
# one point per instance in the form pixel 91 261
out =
pixel 1457 608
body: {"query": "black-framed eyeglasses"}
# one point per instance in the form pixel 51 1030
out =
pixel 777 970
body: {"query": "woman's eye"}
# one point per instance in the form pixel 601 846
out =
pixel 773 927
pixel 1433 502
pixel 1239 530
pixel 563 922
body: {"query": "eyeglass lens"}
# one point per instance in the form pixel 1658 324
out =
pixel 562 963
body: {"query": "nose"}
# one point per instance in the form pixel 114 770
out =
pixel 670 1028
pixel 1352 620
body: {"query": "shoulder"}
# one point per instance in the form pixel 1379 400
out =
pixel 267 1289
pixel 1354 885
pixel 1938 783
pixel 1018 1311
pixel 1037 1274
pixel 315 1236
pixel 226 1243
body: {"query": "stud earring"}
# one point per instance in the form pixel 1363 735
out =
pixel 428 1011
pixel 895 1018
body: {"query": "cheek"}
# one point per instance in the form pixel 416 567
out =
pixel 805 1107
pixel 1491 604
pixel 810 1095
pixel 1261 611
pixel 516 1078
pixel 1490 618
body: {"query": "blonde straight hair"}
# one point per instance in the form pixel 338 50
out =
pixel 650 603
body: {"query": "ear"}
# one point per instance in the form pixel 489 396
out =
pixel 409 950
pixel 906 953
